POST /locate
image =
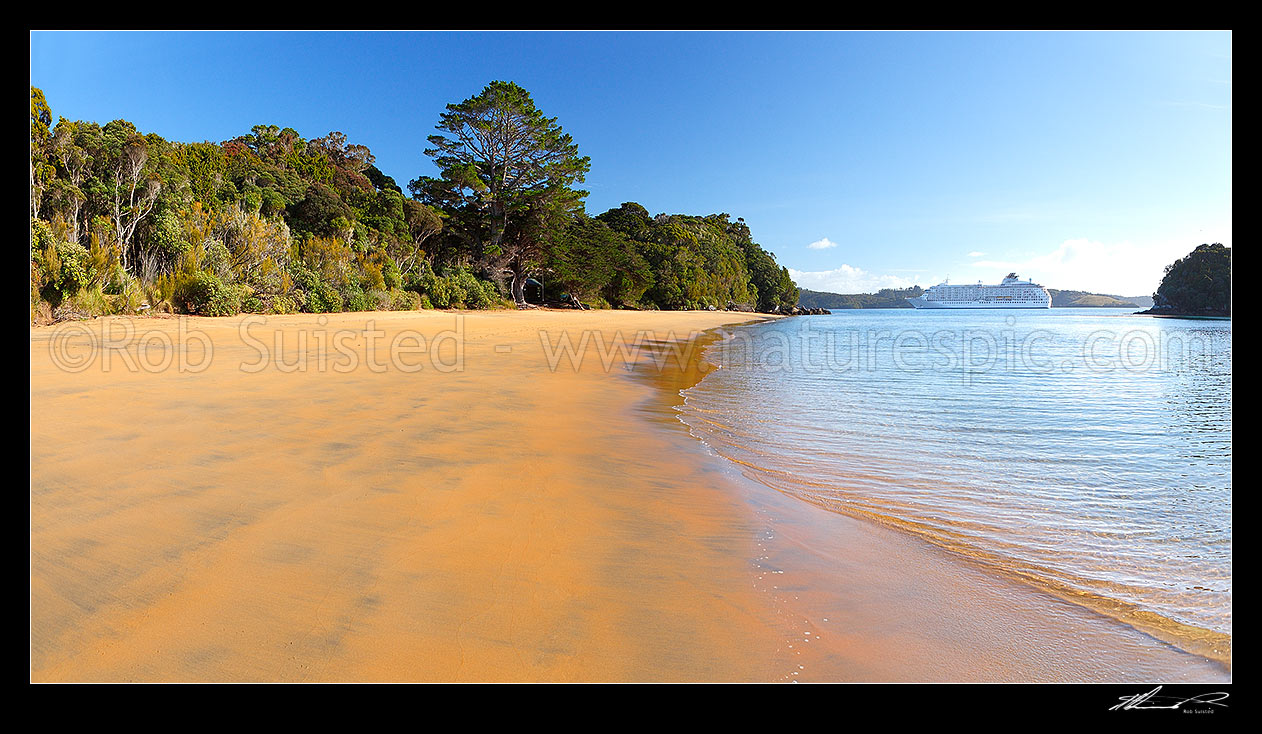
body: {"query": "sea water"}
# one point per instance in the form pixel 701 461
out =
pixel 1085 451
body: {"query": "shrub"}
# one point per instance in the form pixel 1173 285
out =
pixel 41 235
pixel 132 295
pixel 41 313
pixel 121 293
pixel 457 289
pixel 323 298
pixel 280 304
pixel 271 203
pixel 472 292
pixel 439 290
pixel 404 301
pixel 358 300
pixel 203 294
pixel 116 280
pixel 167 241
pixel 312 294
pixel 87 303
pixel 217 259
pixel 380 300
pixel 250 301
pixel 74 272
pixel 390 275
pixel 160 292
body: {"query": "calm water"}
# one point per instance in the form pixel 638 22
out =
pixel 1086 451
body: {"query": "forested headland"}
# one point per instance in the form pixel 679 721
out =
pixel 1198 284
pixel 884 298
pixel 126 222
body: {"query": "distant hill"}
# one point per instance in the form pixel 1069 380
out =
pixel 884 298
pixel 1083 299
pixel 897 298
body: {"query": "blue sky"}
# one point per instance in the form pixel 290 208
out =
pixel 862 160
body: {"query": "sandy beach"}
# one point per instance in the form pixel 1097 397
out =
pixel 441 496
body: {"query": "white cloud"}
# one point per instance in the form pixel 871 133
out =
pixel 823 244
pixel 847 279
pixel 1124 268
pixel 975 253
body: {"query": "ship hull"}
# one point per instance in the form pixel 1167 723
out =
pixel 1011 293
pixel 956 305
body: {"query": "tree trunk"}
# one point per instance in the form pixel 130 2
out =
pixel 519 284
pixel 74 219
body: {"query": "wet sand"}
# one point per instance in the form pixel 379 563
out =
pixel 500 521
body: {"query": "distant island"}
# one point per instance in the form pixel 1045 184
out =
pixel 897 298
pixel 1083 299
pixel 1198 285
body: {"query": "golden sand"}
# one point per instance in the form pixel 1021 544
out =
pixel 365 505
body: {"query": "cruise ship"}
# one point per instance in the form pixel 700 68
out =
pixel 1011 293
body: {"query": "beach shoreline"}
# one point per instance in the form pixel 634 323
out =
pixel 468 507
pixel 920 602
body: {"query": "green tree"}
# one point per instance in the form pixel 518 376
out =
pixel 631 219
pixel 1199 283
pixel 75 164
pixel 322 211
pixel 422 223
pixel 132 180
pixel 42 171
pixel 510 170
pixel 589 259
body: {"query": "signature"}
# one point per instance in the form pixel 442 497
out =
pixel 1151 700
